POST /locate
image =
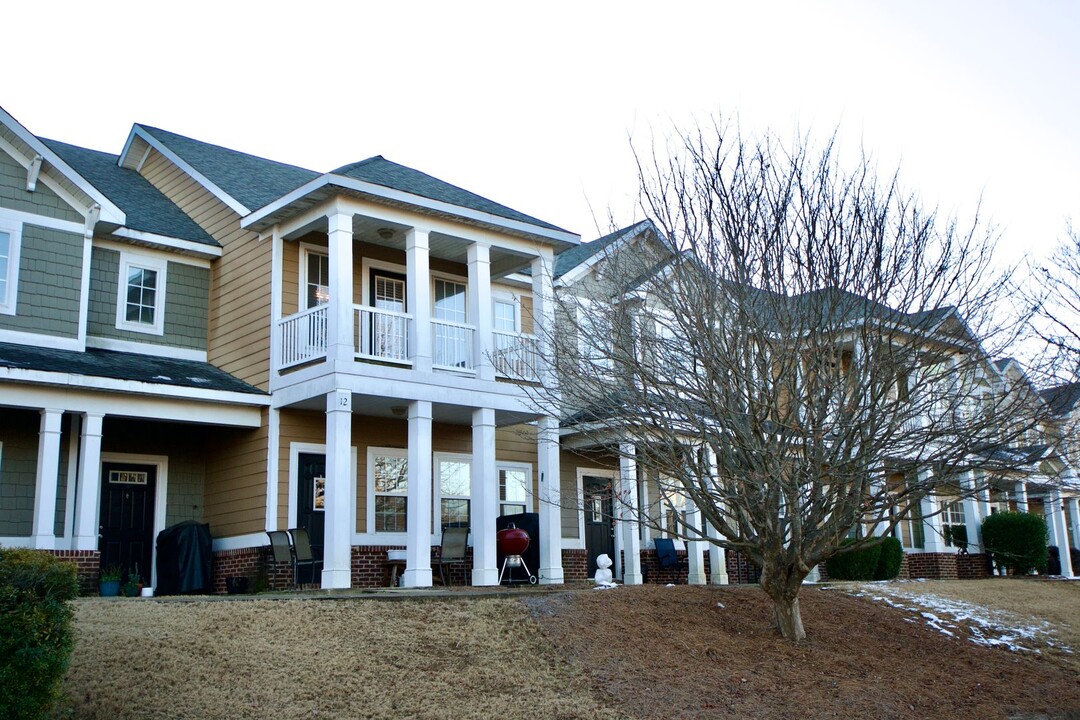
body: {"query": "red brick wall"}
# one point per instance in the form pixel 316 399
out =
pixel 575 565
pixel 936 566
pixel 740 570
pixel 974 567
pixel 87 567
pixel 249 563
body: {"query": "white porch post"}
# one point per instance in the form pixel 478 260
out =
pixel 484 498
pixel 480 309
pixel 48 470
pixel 338 502
pixel 1021 497
pixel 544 318
pixel 695 550
pixel 717 561
pixel 1054 506
pixel 340 346
pixel 932 540
pixel 418 509
pixel 1073 505
pixel 88 491
pixel 626 509
pixel 984 500
pixel 972 511
pixel 549 501
pixel 277 252
pixel 418 299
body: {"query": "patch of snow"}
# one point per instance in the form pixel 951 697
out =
pixel 670 585
pixel 719 605
pixel 199 381
pixel 605 586
pixel 166 378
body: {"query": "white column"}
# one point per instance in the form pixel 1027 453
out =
pixel 48 471
pixel 338 511
pixel 480 310
pixel 549 501
pixel 626 507
pixel 1055 515
pixel 544 318
pixel 972 515
pixel 277 265
pixel 1073 505
pixel 717 560
pixel 418 509
pixel 418 505
pixel 418 297
pixel 339 321
pixel 484 498
pixel 1021 497
pixel 984 501
pixel 88 492
pixel 695 549
pixel 933 542
pixel 273 446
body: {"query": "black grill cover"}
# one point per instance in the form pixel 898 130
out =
pixel 184 559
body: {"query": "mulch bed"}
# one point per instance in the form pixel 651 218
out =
pixel 671 652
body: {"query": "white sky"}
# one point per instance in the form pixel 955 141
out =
pixel 533 104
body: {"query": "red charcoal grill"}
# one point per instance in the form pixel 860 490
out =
pixel 512 542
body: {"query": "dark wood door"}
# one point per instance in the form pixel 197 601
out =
pixel 310 511
pixel 599 522
pixel 127 518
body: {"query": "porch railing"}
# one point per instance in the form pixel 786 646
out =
pixel 302 336
pixel 452 345
pixel 382 334
pixel 514 355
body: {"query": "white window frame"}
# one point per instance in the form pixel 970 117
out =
pixel 510 299
pixel 665 507
pixel 436 480
pixel 372 453
pixel 144 262
pixel 13 228
pixel 952 507
pixel 587 353
pixel 307 250
pixel 530 497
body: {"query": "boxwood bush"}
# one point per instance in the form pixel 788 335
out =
pixel 860 564
pixel 892 555
pixel 36 634
pixel 1017 540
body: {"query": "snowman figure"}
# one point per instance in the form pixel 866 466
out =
pixel 602 578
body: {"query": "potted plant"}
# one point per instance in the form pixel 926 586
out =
pixel 109 585
pixel 133 586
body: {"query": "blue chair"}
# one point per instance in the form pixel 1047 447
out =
pixel 666 555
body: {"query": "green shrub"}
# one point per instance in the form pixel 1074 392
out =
pixel 892 555
pixel 860 564
pixel 36 637
pixel 1017 540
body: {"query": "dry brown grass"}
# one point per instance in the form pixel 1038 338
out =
pixel 326 659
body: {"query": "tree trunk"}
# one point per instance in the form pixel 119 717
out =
pixel 789 619
pixel 782 582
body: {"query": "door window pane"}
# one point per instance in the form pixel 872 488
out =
pixel 513 491
pixel 450 301
pixel 318 279
pixel 455 488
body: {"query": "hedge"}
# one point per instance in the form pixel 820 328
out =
pixel 36 630
pixel 858 564
pixel 892 555
pixel 1016 540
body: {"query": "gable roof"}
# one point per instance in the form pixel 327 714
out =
pixel 145 208
pixel 1062 399
pixel 590 251
pixel 251 180
pixel 380 171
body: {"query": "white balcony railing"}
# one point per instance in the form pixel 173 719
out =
pixel 452 345
pixel 382 334
pixel 514 355
pixel 302 336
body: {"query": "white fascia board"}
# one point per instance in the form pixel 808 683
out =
pixel 164 255
pixel 240 542
pixel 580 270
pixel 155 240
pixel 109 212
pixel 386 193
pixel 90 382
pixel 175 159
pixel 139 348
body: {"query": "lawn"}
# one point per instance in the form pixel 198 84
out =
pixel 643 652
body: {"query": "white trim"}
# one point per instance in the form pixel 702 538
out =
pixel 141 348
pixel 367 265
pixel 13 228
pixel 582 269
pixel 592 472
pixel 161 241
pixel 161 494
pixel 530 491
pixel 500 295
pixel 277 271
pixel 54 342
pixel 17 541
pixel 43 221
pixel 138 131
pixel 141 261
pixel 273 474
pixel 436 490
pixel 386 538
pixel 240 542
pixel 142 160
pixel 295 448
pixel 306 250
pixel 74 436
pixel 84 288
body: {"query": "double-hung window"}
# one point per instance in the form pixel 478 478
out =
pixel 10 243
pixel 953 525
pixel 514 492
pixel 452 338
pixel 389 472
pixel 316 278
pixel 140 302
pixel 595 337
pixel 454 474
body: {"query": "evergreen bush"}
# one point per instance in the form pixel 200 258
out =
pixel 1017 540
pixel 892 555
pixel 860 564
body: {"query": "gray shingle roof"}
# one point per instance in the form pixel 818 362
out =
pixel 123 366
pixel 146 209
pixel 1062 399
pixel 380 171
pixel 251 180
pixel 570 259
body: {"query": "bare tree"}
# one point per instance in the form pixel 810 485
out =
pixel 1055 294
pixel 808 359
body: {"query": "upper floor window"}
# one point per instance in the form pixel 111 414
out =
pixel 140 304
pixel 450 301
pixel 317 279
pixel 10 243
pixel 594 337
pixel 505 316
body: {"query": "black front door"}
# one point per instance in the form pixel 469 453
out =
pixel 127 518
pixel 599 522
pixel 312 498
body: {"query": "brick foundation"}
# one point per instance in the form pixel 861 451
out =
pixel 933 566
pixel 87 567
pixel 740 570
pixel 575 565
pixel 252 563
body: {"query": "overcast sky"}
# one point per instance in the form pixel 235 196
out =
pixel 534 105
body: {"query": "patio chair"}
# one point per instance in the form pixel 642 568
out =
pixel 302 555
pixel 280 552
pixel 666 555
pixel 455 541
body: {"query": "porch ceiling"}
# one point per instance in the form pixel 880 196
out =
pixel 387 407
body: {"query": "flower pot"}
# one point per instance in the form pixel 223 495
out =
pixel 109 588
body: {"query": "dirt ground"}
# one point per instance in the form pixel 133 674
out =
pixel 632 652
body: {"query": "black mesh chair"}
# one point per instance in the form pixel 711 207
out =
pixel 280 552
pixel 455 542
pixel 302 556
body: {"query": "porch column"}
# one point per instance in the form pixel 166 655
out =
pixel 549 501
pixel 418 503
pixel 418 298
pixel 544 318
pixel 1073 505
pixel 277 252
pixel 480 309
pixel 484 498
pixel 339 319
pixel 338 499
pixel 48 471
pixel 1054 506
pixel 1021 497
pixel 626 501
pixel 88 489
pixel 695 550
pixel 932 540
pixel 972 511
pixel 984 500
pixel 717 560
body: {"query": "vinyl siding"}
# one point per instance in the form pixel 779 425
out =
pixel 50 277
pixel 18 471
pixel 43 201
pixel 235 497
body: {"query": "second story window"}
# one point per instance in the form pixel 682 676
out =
pixel 141 297
pixel 10 235
pixel 505 315
pixel 317 284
